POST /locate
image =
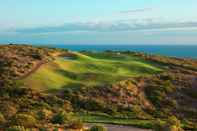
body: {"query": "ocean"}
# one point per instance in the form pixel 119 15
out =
pixel 181 51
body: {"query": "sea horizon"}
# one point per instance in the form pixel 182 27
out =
pixel 180 51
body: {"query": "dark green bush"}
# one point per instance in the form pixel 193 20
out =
pixel 98 128
pixel 90 104
pixel 37 56
pixel 59 118
pixel 158 91
pixel 56 129
pixel 44 129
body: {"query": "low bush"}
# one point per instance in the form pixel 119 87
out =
pixel 2 119
pixel 157 91
pixel 44 129
pixel 17 128
pixel 76 124
pixel 8 109
pixel 44 114
pixel 98 128
pixel 59 118
pixel 23 119
pixel 172 124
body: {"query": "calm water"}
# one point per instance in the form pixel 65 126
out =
pixel 184 51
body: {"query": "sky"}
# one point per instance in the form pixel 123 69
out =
pixel 98 21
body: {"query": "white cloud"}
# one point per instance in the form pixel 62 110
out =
pixel 116 26
pixel 135 11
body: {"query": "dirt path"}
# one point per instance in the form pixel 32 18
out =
pixel 34 68
pixel 120 128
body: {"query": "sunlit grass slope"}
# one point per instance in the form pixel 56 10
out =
pixel 88 69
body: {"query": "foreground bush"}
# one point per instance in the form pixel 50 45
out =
pixel 59 118
pixel 44 114
pixel 172 124
pixel 98 128
pixel 76 124
pixel 23 119
pixel 8 109
pixel 17 128
pixel 44 129
pixel 2 119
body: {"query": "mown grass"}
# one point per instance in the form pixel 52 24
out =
pixel 147 124
pixel 89 70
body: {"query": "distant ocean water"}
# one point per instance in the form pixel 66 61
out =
pixel 182 51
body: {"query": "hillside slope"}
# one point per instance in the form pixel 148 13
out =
pixel 113 87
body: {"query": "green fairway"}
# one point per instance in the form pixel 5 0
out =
pixel 88 70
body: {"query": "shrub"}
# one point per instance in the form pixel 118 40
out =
pixel 59 118
pixel 76 124
pixel 44 114
pixel 98 128
pixel 17 128
pixel 8 109
pixel 43 129
pixel 67 106
pixel 158 125
pixel 56 129
pixel 93 104
pixel 2 119
pixel 37 56
pixel 112 110
pixel 25 120
pixel 172 124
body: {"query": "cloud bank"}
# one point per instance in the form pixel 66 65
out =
pixel 135 11
pixel 108 27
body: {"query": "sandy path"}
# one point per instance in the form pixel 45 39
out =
pixel 120 128
pixel 34 69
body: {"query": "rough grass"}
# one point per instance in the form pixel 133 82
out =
pixel 90 69
pixel 148 124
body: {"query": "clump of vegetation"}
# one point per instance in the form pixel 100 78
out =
pixel 157 91
pixel 2 119
pixel 172 124
pixel 29 108
pixel 44 114
pixel 45 129
pixel 105 98
pixel 24 119
pixel 8 109
pixel 76 124
pixel 59 118
pixel 98 128
pixel 17 128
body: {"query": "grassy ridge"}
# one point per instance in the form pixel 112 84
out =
pixel 90 70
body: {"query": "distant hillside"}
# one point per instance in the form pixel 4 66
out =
pixel 108 87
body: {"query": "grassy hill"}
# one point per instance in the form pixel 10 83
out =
pixel 89 70
pixel 55 88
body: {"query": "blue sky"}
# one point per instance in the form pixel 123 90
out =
pixel 98 21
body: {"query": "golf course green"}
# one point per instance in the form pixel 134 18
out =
pixel 88 69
